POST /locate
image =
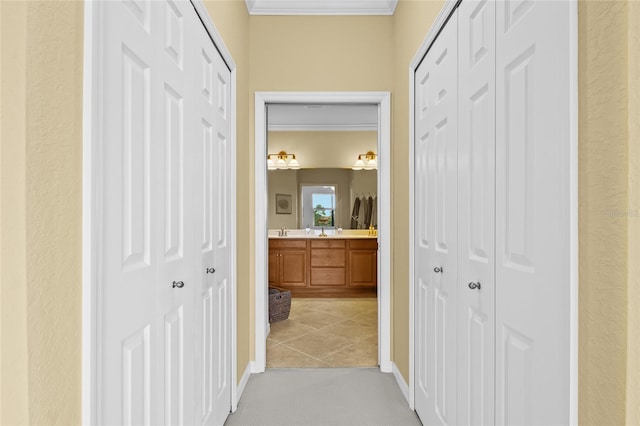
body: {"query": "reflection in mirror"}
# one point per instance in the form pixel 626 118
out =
pixel 326 141
pixel 349 185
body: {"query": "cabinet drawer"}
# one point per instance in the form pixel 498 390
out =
pixel 328 257
pixel 328 244
pixel 328 276
pixel 287 244
pixel 371 244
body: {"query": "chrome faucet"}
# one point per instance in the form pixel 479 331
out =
pixel 282 232
pixel 322 234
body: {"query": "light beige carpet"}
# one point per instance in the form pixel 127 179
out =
pixel 323 396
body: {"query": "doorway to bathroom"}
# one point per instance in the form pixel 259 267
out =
pixel 340 248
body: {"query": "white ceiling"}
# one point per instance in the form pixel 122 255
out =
pixel 321 7
pixel 298 117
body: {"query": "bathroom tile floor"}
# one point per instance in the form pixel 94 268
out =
pixel 326 333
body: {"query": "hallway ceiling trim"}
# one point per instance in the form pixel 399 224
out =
pixel 321 7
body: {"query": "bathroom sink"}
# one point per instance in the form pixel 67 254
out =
pixel 331 234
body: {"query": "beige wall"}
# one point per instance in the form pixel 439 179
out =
pixel 309 53
pixel 41 248
pixel 14 398
pixel 633 303
pixel 603 219
pixel 412 22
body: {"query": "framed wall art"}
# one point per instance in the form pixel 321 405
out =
pixel 283 203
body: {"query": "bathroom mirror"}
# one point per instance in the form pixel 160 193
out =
pixel 311 146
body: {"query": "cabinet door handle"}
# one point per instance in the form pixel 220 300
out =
pixel 327 258
pixel 474 286
pixel 438 270
pixel 178 284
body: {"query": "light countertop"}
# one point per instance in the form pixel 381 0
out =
pixel 331 233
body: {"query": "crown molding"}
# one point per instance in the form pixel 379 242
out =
pixel 322 127
pixel 321 7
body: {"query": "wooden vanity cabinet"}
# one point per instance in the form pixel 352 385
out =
pixel 363 263
pixel 288 263
pixel 328 263
pixel 324 267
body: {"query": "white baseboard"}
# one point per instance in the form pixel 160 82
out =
pixel 402 384
pixel 243 381
pixel 386 367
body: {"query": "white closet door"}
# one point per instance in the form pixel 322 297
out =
pixel 176 126
pixel 155 228
pixel 532 216
pixel 436 214
pixel 131 390
pixel 214 163
pixel 476 212
pixel 423 299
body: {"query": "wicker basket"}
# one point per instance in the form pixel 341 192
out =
pixel 279 304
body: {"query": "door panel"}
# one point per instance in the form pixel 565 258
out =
pixel 174 366
pixel 274 256
pixel 177 231
pixel 293 268
pixel 213 109
pixel 363 268
pixel 476 212
pixel 443 172
pixel 424 370
pixel 532 217
pixel 129 344
pixel 136 378
pixel 158 218
pixel 436 215
pixel 511 294
pixel 136 158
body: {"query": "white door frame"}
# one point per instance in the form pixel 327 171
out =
pixel 383 100
pixel 92 191
pixel 572 165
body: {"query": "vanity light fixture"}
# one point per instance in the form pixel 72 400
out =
pixel 366 161
pixel 282 160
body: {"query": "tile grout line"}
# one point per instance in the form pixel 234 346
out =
pixel 363 310
pixel 305 354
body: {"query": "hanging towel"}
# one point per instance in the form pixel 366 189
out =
pixel 374 213
pixel 361 213
pixel 367 212
pixel 367 219
pixel 354 213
